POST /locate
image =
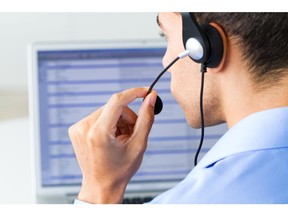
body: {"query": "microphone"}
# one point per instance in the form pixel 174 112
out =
pixel 159 104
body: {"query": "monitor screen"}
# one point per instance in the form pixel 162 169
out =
pixel 74 83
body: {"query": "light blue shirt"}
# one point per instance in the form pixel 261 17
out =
pixel 249 164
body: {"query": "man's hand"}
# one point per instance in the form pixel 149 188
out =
pixel 109 145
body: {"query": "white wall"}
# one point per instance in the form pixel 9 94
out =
pixel 17 30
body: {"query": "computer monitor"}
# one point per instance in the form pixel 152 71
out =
pixel 68 81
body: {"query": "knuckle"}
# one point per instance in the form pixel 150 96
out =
pixel 71 130
pixel 116 97
pixel 83 127
pixel 91 137
pixel 94 133
pixel 79 129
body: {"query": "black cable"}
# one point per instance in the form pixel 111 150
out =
pixel 203 71
pixel 159 76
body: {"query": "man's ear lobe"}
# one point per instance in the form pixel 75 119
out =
pixel 225 44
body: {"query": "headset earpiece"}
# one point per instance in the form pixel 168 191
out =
pixel 216 45
pixel 204 42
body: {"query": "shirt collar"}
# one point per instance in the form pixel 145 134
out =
pixel 262 130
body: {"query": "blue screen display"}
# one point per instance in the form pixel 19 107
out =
pixel 74 83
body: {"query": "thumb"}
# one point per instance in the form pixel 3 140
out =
pixel 145 118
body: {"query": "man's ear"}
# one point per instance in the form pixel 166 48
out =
pixel 225 45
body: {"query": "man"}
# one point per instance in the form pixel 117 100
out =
pixel 248 90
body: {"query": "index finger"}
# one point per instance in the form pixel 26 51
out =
pixel 114 108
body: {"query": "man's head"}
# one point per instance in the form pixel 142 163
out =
pixel 255 58
pixel 262 38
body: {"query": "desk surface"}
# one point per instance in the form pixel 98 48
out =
pixel 15 166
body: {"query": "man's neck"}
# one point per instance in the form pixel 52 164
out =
pixel 243 99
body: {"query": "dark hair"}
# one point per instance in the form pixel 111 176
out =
pixel 263 38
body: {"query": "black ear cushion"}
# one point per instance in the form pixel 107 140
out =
pixel 216 45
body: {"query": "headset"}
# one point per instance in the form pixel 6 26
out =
pixel 204 45
pixel 204 42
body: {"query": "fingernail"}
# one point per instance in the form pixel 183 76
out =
pixel 153 98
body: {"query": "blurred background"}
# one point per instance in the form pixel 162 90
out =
pixel 17 31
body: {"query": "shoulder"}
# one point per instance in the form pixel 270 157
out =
pixel 259 176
